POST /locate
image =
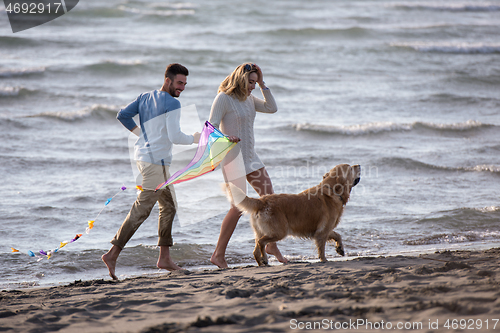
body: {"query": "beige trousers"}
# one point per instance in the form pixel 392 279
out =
pixel 152 176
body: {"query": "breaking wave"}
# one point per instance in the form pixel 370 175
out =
pixel 97 111
pixel 382 127
pixel 171 11
pixel 13 91
pixel 471 236
pixel 411 164
pixel 454 7
pixel 21 71
pixel 450 47
pixel 114 66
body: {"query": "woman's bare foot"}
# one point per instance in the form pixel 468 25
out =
pixel 218 261
pixel 272 249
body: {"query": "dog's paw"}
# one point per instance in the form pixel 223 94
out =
pixel 263 263
pixel 340 250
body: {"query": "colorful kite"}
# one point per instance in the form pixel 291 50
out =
pixel 47 254
pixel 212 148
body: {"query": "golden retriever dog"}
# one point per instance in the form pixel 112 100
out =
pixel 313 213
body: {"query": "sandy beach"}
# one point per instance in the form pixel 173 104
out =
pixel 438 292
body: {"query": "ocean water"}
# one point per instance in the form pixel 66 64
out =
pixel 407 89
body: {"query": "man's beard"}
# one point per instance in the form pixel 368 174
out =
pixel 172 92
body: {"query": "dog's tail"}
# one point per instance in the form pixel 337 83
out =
pixel 238 198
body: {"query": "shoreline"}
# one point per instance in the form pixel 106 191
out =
pixel 48 282
pixel 426 289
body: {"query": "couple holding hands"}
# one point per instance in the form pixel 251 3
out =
pixel 233 112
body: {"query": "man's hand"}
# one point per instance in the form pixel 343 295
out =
pixel 136 130
pixel 196 137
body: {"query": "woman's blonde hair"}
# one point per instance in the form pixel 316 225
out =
pixel 236 83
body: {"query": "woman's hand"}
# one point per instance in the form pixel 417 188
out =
pixel 234 139
pixel 261 76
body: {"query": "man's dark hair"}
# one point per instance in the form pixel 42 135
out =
pixel 174 69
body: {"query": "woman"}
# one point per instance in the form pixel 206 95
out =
pixel 234 109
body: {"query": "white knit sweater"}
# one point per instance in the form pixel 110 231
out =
pixel 236 118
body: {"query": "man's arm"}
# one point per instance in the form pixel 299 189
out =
pixel 175 135
pixel 126 115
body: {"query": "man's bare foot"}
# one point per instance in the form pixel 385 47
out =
pixel 167 264
pixel 165 261
pixel 110 258
pixel 272 249
pixel 111 263
pixel 219 262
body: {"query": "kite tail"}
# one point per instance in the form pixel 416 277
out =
pixel 238 198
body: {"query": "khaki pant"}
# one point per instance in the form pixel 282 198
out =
pixel 152 176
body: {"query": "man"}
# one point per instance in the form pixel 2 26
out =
pixel 159 115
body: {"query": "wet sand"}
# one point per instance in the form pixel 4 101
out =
pixel 423 293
